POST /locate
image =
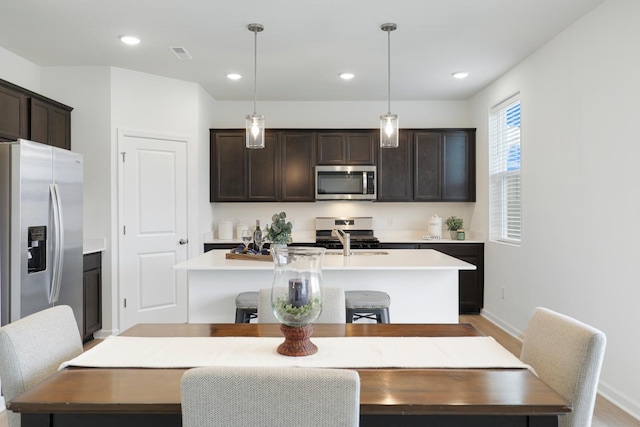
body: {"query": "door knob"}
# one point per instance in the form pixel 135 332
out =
pixel 183 241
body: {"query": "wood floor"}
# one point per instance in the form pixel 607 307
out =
pixel 606 414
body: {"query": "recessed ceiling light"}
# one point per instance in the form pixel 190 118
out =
pixel 346 76
pixel 460 75
pixel 130 40
pixel 234 76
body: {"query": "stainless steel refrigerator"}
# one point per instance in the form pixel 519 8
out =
pixel 41 217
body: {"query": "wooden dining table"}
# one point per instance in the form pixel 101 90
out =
pixel 125 397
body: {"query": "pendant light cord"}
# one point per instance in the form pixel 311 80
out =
pixel 389 70
pixel 255 70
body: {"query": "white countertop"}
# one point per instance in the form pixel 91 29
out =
pixel 395 259
pixel 92 245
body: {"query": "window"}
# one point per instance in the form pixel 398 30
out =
pixel 505 196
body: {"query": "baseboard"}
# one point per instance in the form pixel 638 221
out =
pixel 514 332
pixel 104 333
pixel 618 399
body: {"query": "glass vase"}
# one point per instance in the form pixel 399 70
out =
pixel 297 296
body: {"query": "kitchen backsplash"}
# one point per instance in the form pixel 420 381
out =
pixel 386 216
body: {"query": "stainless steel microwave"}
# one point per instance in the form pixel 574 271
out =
pixel 346 183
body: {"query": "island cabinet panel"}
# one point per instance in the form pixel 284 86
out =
pixel 395 172
pixel 92 293
pixel 471 282
pixel 298 159
pixel 25 114
pixel 14 114
pixel 347 148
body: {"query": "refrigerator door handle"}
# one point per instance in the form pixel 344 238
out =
pixel 58 243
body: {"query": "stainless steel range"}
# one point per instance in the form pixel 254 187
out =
pixel 360 228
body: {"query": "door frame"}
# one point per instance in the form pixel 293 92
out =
pixel 122 134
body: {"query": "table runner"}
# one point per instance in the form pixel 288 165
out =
pixel 333 352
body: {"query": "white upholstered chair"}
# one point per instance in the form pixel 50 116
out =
pixel 567 355
pixel 270 396
pixel 333 307
pixel 32 348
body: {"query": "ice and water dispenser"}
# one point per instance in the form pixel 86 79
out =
pixel 37 249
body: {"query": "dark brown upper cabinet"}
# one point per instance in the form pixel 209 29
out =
pixel 427 152
pixel 282 171
pixel 25 114
pixel 263 166
pixel 50 124
pixel 298 160
pixel 347 148
pixel 395 172
pixel 459 166
pixel 14 114
pixel 228 165
pixel 444 165
pixel 430 165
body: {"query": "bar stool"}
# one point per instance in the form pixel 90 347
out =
pixel 367 305
pixel 246 307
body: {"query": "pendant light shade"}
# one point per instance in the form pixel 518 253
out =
pixel 255 121
pixel 389 126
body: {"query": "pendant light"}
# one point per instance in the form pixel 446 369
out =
pixel 255 121
pixel 389 122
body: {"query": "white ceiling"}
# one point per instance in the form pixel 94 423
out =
pixel 305 44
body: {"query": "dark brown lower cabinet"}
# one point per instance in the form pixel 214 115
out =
pixel 92 284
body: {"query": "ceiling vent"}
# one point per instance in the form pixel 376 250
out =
pixel 180 52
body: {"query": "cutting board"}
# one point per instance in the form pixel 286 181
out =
pixel 249 257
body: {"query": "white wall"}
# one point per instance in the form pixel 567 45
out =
pixel 336 114
pixel 160 106
pixel 207 111
pixel 19 71
pixel 580 152
pixel 88 91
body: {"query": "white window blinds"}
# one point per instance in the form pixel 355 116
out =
pixel 505 195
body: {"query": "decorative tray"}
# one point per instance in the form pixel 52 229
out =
pixel 248 257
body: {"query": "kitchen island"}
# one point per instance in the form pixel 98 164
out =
pixel 422 284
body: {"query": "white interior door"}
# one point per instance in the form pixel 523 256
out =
pixel 153 231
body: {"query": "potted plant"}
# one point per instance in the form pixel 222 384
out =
pixel 279 232
pixel 453 224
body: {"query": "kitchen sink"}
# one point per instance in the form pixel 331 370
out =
pixel 358 253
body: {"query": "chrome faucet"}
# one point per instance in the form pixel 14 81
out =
pixel 345 239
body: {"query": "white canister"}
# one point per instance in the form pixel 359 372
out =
pixel 434 227
pixel 225 229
